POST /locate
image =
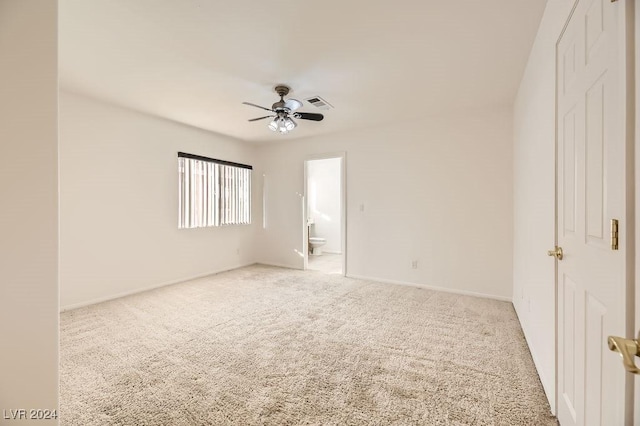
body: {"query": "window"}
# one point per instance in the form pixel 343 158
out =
pixel 212 192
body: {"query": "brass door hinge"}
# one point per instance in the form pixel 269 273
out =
pixel 614 234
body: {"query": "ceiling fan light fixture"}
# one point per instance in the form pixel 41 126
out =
pixel 289 124
pixel 283 124
pixel 285 111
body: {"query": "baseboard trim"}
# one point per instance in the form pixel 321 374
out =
pixel 331 251
pixel 278 265
pixel 548 387
pixel 147 288
pixel 432 287
pixel 545 383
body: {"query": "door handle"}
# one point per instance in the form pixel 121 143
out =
pixel 557 253
pixel 628 350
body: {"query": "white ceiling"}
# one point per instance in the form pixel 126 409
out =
pixel 377 62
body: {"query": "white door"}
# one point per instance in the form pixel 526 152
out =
pixel 591 192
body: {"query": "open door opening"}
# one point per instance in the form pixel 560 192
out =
pixel 324 214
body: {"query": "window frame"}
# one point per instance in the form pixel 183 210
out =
pixel 212 192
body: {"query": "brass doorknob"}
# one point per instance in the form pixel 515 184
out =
pixel 557 253
pixel 628 350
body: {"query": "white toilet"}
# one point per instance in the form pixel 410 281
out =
pixel 316 244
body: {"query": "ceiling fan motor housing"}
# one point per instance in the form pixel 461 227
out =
pixel 280 106
pixel 282 90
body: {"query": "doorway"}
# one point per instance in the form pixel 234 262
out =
pixel 324 214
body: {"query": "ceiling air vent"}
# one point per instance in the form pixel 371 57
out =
pixel 319 103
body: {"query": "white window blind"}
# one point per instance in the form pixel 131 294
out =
pixel 212 192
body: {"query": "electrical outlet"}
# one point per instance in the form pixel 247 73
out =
pixel 361 207
pixel 237 251
pixel 414 264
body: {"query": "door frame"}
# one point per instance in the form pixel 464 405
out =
pixel 342 155
pixel 633 27
pixel 629 40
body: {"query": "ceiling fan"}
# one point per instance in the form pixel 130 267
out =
pixel 284 111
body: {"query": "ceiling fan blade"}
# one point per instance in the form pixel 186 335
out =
pixel 292 104
pixel 257 106
pixel 261 118
pixel 309 116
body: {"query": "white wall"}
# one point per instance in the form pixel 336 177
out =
pixel 323 193
pixel 438 191
pixel 28 207
pixel 118 203
pixel 534 195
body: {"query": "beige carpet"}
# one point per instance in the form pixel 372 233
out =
pixel 270 346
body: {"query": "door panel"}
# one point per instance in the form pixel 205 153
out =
pixel 590 191
pixel 568 62
pixel 594 336
pixel 568 390
pixel 594 171
pixel 569 174
pixel 594 22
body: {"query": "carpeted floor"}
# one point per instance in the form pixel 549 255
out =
pixel 270 346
